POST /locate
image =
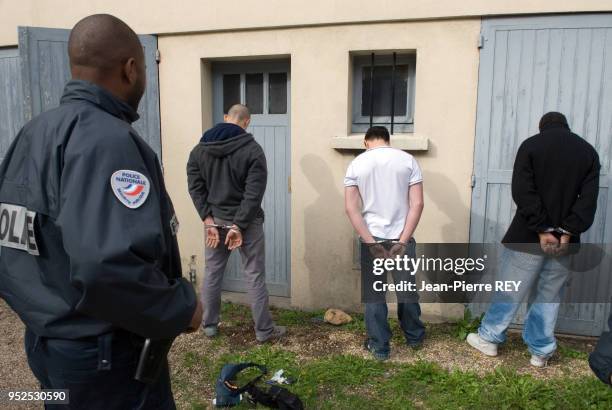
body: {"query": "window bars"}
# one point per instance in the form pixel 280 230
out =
pixel 371 102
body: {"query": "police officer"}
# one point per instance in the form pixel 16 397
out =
pixel 88 257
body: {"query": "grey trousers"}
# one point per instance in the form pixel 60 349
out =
pixel 253 256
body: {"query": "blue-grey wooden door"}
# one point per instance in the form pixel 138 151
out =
pixel 529 66
pixel 11 98
pixel 264 87
pixel 45 71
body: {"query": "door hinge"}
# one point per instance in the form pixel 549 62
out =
pixel 289 183
pixel 473 181
pixel 481 41
pixel 157 56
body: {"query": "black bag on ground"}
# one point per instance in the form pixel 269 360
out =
pixel 228 392
pixel 275 397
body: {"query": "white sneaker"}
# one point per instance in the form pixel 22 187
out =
pixel 478 343
pixel 538 361
pixel 210 331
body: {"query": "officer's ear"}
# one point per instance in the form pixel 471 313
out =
pixel 130 71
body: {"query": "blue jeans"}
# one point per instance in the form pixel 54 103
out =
pixel 408 313
pixel 543 279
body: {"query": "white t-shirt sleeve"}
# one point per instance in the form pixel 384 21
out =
pixel 350 179
pixel 416 175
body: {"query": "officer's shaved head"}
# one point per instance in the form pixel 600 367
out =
pixel 102 41
pixel 238 114
pixel 106 51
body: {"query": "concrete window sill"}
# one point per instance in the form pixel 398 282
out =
pixel 407 142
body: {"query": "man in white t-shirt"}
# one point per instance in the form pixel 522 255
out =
pixel 384 202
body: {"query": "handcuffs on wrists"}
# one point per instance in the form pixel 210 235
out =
pixel 386 242
pixel 224 227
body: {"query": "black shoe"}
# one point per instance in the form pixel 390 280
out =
pixel 278 333
pixel 415 346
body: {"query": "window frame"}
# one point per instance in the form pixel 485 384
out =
pixel 266 86
pixel 402 124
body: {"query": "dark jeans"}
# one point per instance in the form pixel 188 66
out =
pixel 98 372
pixel 601 358
pixel 408 313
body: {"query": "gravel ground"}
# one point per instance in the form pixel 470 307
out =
pixel 14 371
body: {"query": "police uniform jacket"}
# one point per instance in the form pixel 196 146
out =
pixel 87 229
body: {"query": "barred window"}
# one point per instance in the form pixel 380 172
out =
pixel 383 92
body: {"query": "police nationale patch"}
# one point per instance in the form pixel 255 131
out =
pixel 130 187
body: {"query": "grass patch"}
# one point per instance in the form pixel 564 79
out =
pixel 469 324
pixel 233 313
pixel 357 324
pixel 341 371
pixel 569 352
pixel 429 386
pixel 331 379
pixel 290 317
pixel 335 379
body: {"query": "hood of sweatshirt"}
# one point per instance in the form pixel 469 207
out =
pixel 222 131
pixel 227 146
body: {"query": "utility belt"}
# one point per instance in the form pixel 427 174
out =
pixel 152 354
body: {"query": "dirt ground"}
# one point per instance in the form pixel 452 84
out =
pixel 14 371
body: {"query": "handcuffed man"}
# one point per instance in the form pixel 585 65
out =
pixel 384 202
pixel 555 184
pixel 227 176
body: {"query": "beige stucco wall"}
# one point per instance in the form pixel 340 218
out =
pixel 162 16
pixel 321 251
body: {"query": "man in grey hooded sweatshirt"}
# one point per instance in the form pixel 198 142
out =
pixel 227 177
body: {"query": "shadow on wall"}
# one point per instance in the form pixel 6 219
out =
pixel 444 193
pixel 326 242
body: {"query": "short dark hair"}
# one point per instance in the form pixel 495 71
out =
pixel 377 132
pixel 553 119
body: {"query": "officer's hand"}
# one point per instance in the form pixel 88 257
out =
pixel 233 239
pixel 196 320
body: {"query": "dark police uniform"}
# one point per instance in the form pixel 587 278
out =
pixel 88 257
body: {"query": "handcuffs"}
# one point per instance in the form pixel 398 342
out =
pixel 223 227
